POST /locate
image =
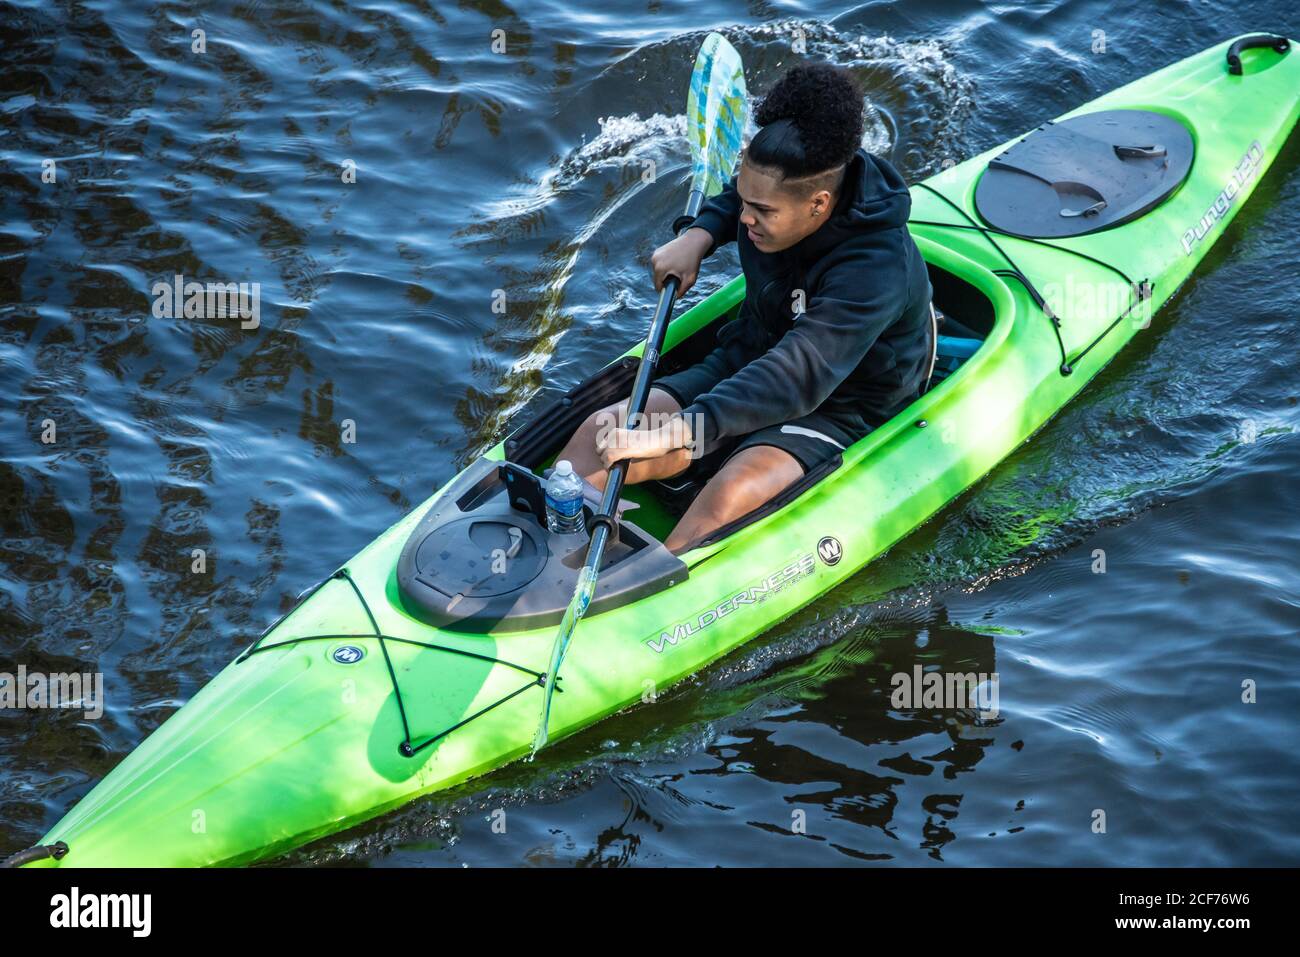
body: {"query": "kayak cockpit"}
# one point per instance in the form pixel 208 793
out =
pixel 483 558
pixel 966 320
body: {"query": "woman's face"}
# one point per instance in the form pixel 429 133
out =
pixel 776 216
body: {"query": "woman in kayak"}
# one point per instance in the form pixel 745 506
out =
pixel 835 334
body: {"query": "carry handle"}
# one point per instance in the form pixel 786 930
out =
pixel 1254 41
pixel 1140 152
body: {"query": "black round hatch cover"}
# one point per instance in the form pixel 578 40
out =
pixel 479 558
pixel 1085 174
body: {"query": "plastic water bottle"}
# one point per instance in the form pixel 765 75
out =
pixel 564 500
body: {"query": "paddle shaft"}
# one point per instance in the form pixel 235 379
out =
pixel 606 520
pixel 717 112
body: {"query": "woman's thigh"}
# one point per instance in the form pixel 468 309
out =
pixel 659 403
pixel 582 451
pixel 752 476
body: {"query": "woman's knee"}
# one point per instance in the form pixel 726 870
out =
pixel 583 442
pixel 658 404
pixel 751 477
pixel 669 465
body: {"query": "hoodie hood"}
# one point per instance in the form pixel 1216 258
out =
pixel 874 197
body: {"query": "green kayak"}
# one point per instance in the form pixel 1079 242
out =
pixel 419 663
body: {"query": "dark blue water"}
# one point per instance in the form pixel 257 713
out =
pixel 479 171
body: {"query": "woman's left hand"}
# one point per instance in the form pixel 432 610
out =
pixel 619 444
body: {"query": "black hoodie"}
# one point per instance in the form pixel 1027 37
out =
pixel 861 347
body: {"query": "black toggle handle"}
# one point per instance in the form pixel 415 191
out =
pixel 1140 152
pixel 1252 42
pixel 1092 210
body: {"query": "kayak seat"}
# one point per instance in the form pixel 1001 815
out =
pixel 954 345
pixel 952 353
pixel 677 493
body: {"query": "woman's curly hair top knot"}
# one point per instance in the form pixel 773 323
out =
pixel 811 121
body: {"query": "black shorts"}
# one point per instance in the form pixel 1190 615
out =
pixel 811 438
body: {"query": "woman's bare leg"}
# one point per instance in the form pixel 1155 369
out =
pixel 581 448
pixel 749 478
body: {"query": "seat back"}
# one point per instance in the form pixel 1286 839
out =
pixel 934 349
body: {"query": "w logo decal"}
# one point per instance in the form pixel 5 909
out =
pixel 829 550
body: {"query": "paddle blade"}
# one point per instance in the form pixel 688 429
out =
pixel 577 608
pixel 717 111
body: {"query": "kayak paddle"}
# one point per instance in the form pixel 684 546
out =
pixel 717 111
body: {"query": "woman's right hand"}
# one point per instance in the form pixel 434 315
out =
pixel 681 258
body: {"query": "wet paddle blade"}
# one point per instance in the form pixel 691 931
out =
pixel 577 608
pixel 717 111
